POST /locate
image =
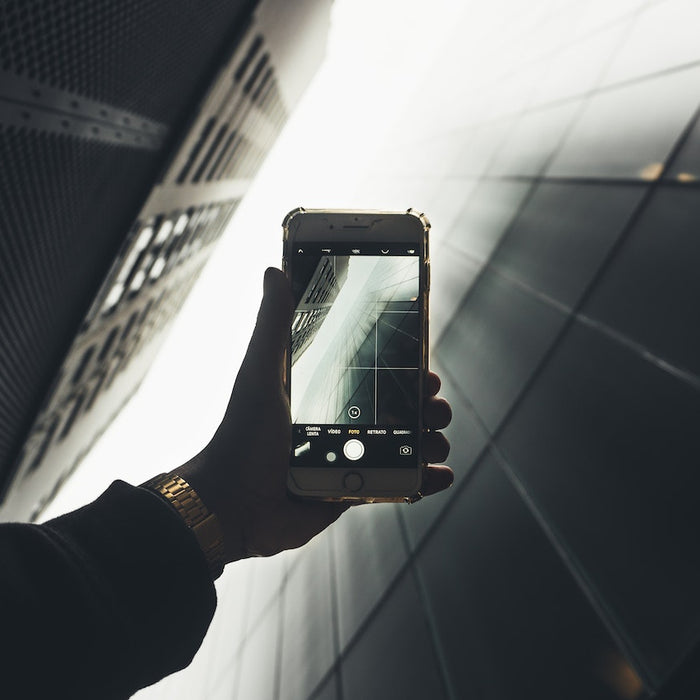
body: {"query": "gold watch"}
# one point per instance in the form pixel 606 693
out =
pixel 203 523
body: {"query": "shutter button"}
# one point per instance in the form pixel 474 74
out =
pixel 353 449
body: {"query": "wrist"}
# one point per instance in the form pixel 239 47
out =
pixel 221 496
pixel 202 522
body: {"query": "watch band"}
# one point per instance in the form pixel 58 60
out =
pixel 203 523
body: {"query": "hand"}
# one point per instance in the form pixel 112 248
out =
pixel 241 475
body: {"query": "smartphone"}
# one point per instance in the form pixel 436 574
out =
pixel 358 352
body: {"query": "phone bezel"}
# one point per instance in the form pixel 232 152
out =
pixel 357 226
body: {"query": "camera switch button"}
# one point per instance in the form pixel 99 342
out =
pixel 353 481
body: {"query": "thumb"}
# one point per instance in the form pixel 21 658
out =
pixel 268 344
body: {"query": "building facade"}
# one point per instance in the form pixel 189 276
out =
pixel 174 150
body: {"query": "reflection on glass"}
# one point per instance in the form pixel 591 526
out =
pixel 686 165
pixel 652 171
pixel 616 672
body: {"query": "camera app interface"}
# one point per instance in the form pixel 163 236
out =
pixel 355 341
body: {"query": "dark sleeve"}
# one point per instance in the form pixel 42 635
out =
pixel 102 601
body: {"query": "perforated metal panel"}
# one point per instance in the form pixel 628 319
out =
pixel 147 57
pixel 64 203
pixel 93 97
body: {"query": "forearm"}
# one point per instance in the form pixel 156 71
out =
pixel 104 600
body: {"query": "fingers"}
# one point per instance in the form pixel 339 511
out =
pixel 437 413
pixel 436 478
pixel 432 384
pixel 271 335
pixel 436 447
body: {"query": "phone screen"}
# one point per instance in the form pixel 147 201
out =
pixel 355 355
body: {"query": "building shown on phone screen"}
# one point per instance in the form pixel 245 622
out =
pixel 128 137
pixel 363 350
pixel 326 281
